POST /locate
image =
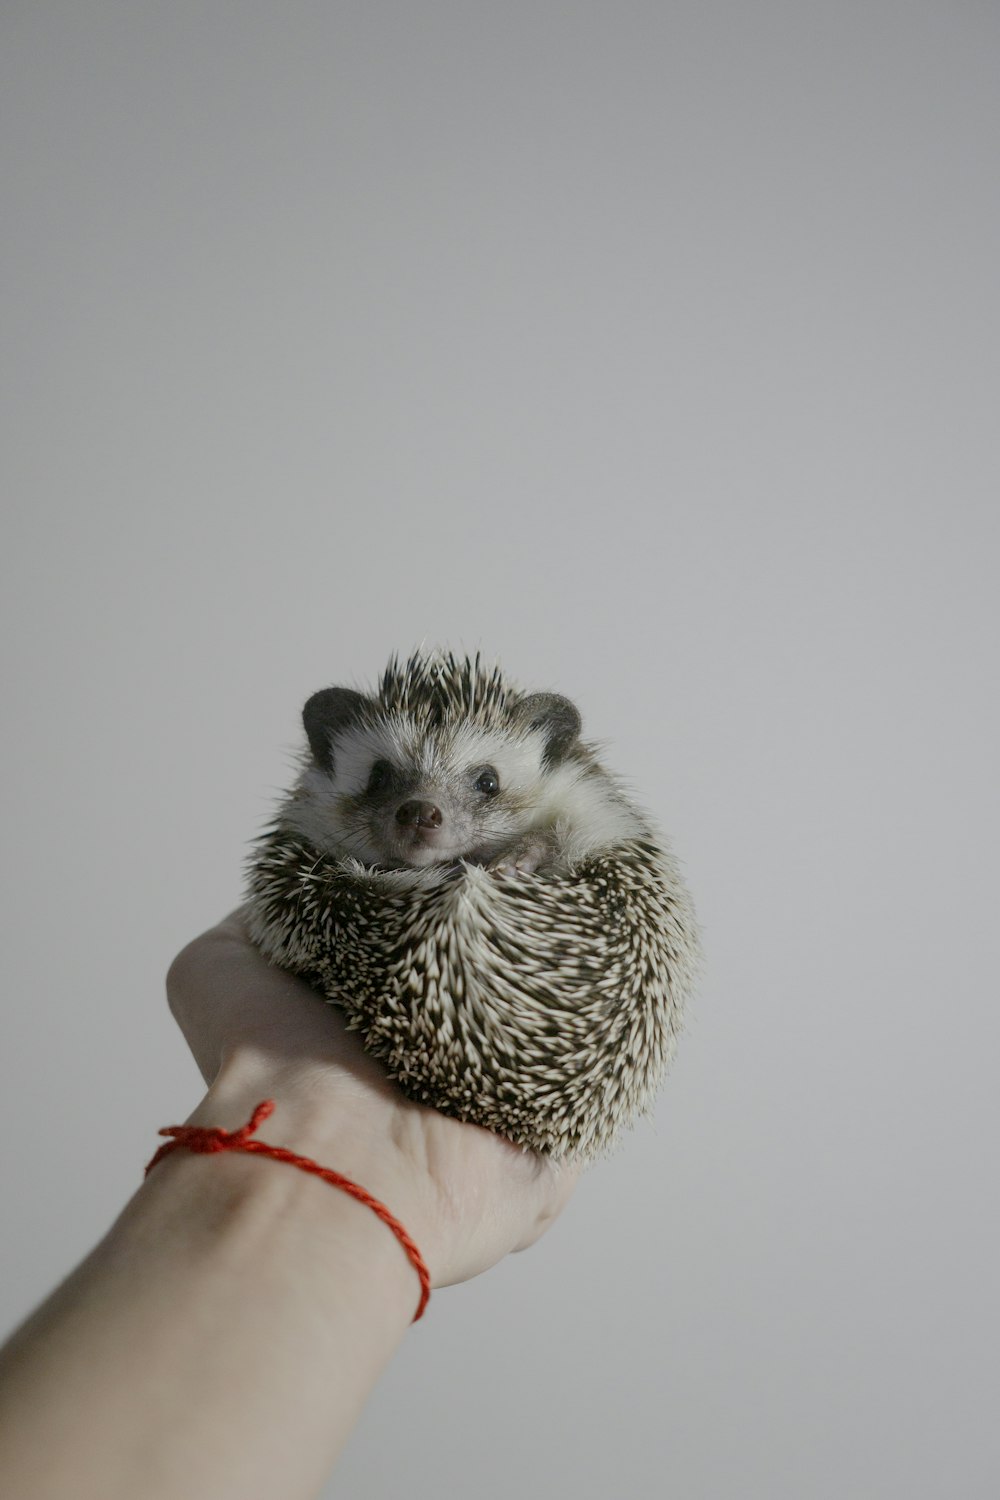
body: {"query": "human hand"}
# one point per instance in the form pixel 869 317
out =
pixel 468 1197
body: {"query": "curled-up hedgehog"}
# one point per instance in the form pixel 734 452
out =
pixel 457 871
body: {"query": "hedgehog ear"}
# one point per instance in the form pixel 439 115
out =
pixel 558 719
pixel 325 714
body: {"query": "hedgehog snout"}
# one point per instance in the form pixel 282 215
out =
pixel 416 814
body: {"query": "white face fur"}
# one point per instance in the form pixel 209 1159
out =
pixel 437 796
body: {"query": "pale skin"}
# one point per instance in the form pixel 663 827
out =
pixel 223 1337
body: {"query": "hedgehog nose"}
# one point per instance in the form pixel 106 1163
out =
pixel 419 815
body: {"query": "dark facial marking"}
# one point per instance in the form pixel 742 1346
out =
pixel 381 777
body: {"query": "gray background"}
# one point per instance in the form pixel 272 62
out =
pixel 654 349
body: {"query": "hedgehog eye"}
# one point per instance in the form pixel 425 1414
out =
pixel 381 773
pixel 487 781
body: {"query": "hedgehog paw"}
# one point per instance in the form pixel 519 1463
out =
pixel 523 860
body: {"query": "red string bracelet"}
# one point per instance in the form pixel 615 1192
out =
pixel 209 1139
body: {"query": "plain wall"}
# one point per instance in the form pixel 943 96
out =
pixel 653 348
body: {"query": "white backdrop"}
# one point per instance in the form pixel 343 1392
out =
pixel 654 349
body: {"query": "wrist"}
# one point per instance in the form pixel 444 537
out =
pixel 320 1116
pixel 264 1222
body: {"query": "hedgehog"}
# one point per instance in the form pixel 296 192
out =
pixel 456 870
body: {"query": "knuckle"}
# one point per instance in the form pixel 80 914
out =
pixel 181 976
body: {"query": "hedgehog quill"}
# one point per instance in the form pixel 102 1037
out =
pixel 502 925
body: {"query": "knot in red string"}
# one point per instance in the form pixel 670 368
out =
pixel 208 1138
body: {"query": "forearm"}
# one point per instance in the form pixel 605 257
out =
pixel 222 1338
pixel 220 1341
